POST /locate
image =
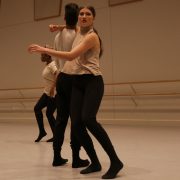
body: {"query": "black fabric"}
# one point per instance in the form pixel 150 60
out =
pixel 87 94
pixel 63 98
pixel 50 104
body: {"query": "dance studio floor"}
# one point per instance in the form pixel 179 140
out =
pixel 149 153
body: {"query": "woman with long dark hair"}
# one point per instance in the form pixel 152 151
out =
pixel 87 91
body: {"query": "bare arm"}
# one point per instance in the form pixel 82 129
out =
pixel 55 27
pixel 89 42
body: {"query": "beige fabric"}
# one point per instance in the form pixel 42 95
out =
pixel 49 77
pixel 63 42
pixel 87 63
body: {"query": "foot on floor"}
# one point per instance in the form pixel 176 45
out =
pixel 41 135
pixel 113 170
pixel 91 168
pixel 59 162
pixel 80 163
pixel 50 140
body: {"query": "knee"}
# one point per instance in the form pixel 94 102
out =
pixel 75 127
pixel 49 114
pixel 36 109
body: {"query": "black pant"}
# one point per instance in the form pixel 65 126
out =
pixel 49 102
pixel 63 98
pixel 87 93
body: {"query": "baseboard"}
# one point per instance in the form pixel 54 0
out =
pixel 141 122
pixel 126 122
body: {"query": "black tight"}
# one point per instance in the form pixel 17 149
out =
pixel 63 97
pixel 86 98
pixel 87 94
pixel 49 102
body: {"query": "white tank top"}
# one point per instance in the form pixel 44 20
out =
pixel 63 42
pixel 49 77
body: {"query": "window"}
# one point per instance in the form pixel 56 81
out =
pixel 44 9
pixel 118 2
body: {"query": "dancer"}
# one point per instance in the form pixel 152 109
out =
pixel 87 92
pixel 47 99
pixel 63 41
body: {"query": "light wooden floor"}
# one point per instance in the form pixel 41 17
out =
pixel 149 153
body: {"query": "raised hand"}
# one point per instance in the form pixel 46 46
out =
pixel 36 48
pixel 53 27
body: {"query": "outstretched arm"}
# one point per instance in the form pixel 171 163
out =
pixel 55 27
pixel 89 42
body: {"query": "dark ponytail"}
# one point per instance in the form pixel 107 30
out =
pixel 101 48
pixel 93 11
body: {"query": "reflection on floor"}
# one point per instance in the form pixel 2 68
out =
pixel 149 153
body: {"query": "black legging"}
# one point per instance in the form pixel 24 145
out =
pixel 87 94
pixel 49 102
pixel 63 98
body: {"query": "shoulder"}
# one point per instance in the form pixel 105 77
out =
pixel 92 37
pixel 68 31
pixel 57 36
pixel 58 33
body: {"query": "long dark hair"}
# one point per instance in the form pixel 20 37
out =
pixel 93 11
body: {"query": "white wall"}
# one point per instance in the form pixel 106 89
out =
pixel 141 43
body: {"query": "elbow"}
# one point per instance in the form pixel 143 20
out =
pixel 71 57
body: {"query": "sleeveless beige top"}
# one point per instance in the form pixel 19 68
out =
pixel 87 63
